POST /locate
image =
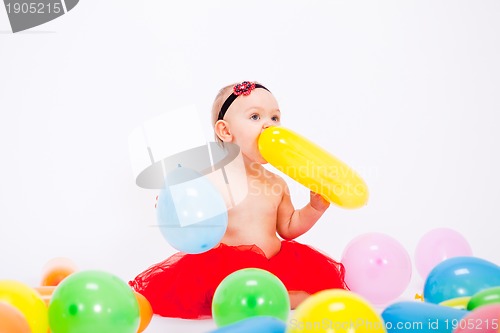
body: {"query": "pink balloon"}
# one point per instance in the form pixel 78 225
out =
pixel 438 245
pixel 377 267
pixel 485 319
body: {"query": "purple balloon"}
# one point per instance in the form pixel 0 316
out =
pixel 377 267
pixel 438 245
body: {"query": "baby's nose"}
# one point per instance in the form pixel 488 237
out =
pixel 267 124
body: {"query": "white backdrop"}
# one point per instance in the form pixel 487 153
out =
pixel 405 92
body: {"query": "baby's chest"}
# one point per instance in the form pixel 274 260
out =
pixel 265 187
pixel 264 195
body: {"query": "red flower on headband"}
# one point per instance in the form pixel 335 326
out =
pixel 244 88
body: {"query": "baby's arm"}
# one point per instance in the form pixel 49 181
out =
pixel 292 223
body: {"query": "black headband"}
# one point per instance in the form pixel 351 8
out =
pixel 243 88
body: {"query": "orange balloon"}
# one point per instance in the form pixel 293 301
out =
pixel 12 320
pixel 46 293
pixel 56 270
pixel 146 311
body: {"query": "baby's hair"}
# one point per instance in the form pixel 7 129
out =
pixel 219 100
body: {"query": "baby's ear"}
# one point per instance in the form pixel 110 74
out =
pixel 222 131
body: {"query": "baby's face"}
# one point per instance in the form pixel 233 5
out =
pixel 248 116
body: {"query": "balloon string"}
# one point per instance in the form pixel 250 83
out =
pixel 228 187
pixel 211 156
pixel 212 164
pixel 150 152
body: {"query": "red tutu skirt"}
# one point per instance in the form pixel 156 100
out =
pixel 183 285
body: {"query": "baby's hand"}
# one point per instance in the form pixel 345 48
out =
pixel 318 202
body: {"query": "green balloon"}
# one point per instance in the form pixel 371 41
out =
pixel 93 301
pixel 248 293
pixel 484 297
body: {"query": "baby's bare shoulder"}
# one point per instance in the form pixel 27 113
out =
pixel 274 178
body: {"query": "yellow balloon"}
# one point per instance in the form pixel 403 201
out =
pixel 457 302
pixel 335 311
pixel 28 302
pixel 313 167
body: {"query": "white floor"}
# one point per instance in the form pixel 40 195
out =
pixel 171 325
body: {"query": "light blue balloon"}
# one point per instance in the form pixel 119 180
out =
pixel 459 277
pixel 192 214
pixel 419 317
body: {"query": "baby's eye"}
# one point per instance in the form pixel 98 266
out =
pixel 255 117
pixel 275 118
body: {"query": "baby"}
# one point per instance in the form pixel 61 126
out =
pixel 183 285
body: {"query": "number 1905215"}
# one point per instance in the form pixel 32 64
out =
pixel 472 324
pixel 33 8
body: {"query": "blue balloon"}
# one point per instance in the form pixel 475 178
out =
pixel 191 213
pixel 260 324
pixel 459 277
pixel 418 317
